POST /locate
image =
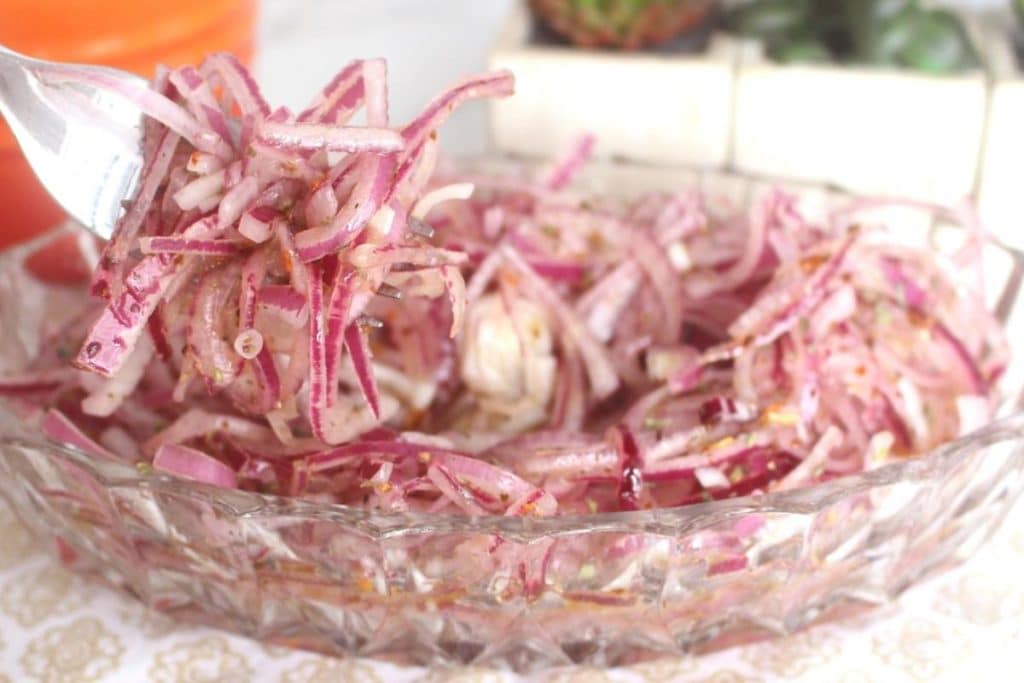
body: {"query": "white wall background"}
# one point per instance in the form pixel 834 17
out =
pixel 428 44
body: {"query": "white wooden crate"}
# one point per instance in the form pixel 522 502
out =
pixel 867 130
pixel 654 107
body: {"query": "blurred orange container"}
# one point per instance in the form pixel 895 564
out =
pixel 130 35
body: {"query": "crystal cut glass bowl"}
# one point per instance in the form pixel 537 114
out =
pixel 608 589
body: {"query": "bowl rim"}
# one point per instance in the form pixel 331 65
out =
pixel 666 521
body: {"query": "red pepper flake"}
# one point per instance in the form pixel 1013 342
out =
pixel 631 482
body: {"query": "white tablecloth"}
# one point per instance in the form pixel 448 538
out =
pixel 965 625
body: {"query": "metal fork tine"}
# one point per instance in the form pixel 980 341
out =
pixel 389 291
pixel 370 321
pixel 421 228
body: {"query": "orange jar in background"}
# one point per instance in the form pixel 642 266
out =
pixel 127 34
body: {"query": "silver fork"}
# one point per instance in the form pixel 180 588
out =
pixel 82 141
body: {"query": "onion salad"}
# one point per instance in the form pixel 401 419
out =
pixel 306 304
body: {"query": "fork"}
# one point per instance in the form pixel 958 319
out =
pixel 82 140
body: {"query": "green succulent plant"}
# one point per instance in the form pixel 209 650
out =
pixel 899 33
pixel 622 24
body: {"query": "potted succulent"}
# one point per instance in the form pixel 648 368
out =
pixel 1018 7
pixel 621 24
pixel 875 96
pixel 666 106
pixel 892 33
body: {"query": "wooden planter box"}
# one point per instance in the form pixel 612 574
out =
pixel 654 107
pixel 1001 186
pixel 867 130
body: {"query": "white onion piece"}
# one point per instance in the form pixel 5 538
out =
pixel 459 191
pixel 248 344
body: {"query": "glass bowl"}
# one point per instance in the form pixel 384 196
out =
pixel 606 589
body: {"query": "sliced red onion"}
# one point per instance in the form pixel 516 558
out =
pixel 248 344
pixel 375 83
pixel 456 288
pixel 315 136
pixel 184 245
pixel 322 205
pixel 711 478
pixel 359 353
pixel 200 101
pixel 326 339
pixel 566 168
pixel 207 332
pixel 236 201
pixel 773 316
pixel 121 443
pixel 458 493
pixel 968 366
pixel 496 84
pixel 364 202
pixel 606 301
pixel 655 263
pixel 119 326
pixel 58 427
pixel 196 423
pixel 34 382
pixel 239 83
pixel 109 395
pixel 284 303
pixel 153 175
pixel 600 370
pixel 570 403
pixel 253 273
pixel 367 256
pixel 269 380
pixel 455 191
pixel 341 95
pixel 256 224
pixel 194 465
pixel 261 244
pixel 914 296
pixel 496 484
pixel 202 163
pixel 630 486
pixel 200 189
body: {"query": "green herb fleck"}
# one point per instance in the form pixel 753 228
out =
pixel 651 422
pixel 883 314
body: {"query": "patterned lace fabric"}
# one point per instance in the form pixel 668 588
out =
pixel 56 627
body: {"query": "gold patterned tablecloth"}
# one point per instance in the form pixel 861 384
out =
pixel 56 627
